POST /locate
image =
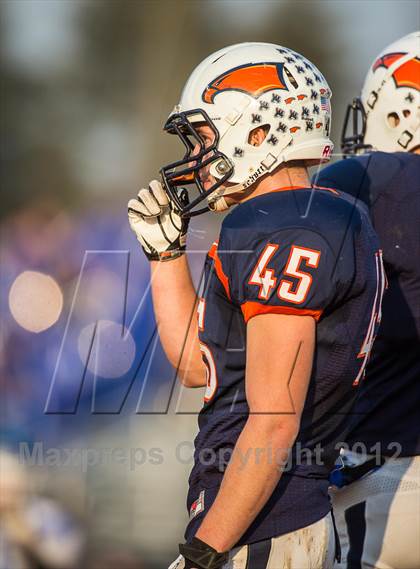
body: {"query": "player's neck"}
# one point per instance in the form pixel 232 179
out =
pixel 283 179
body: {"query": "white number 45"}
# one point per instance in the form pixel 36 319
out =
pixel 287 290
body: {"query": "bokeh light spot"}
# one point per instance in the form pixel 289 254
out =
pixel 35 301
pixel 113 350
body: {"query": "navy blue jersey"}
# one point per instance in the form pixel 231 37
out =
pixel 387 409
pixel 299 251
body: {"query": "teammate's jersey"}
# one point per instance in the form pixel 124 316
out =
pixel 299 251
pixel 387 410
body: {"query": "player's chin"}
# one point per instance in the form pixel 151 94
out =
pixel 231 200
pixel 208 182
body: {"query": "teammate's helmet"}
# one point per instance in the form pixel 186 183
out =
pixel 233 91
pixel 386 116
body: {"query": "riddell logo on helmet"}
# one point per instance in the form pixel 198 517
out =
pixel 253 79
pixel 326 153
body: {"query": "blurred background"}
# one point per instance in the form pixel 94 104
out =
pixel 96 444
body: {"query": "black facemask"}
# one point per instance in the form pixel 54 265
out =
pixel 356 120
pixel 186 172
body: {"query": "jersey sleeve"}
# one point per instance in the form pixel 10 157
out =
pixel 292 271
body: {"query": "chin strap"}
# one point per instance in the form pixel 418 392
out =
pixel 219 205
pixel 217 202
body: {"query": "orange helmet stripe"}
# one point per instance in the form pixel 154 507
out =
pixel 386 60
pixel 254 79
pixel 407 75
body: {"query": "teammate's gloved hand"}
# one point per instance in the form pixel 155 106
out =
pixel 157 224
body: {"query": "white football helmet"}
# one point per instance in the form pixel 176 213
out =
pixel 233 91
pixel 387 115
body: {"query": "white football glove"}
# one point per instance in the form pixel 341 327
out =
pixel 157 224
pixel 179 563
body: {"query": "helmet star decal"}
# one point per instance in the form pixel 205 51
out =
pixel 253 79
pixel 407 75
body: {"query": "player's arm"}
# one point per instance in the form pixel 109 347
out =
pixel 175 306
pixel 162 234
pixel 280 351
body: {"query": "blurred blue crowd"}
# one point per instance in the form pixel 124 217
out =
pixel 58 369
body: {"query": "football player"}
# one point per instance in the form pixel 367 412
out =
pixel 287 314
pixel 378 509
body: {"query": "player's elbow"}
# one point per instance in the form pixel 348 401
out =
pixel 286 430
pixel 280 430
pixel 192 378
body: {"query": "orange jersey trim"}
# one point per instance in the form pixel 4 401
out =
pixel 218 268
pixel 251 309
pixel 314 186
pixel 287 188
pixel 326 188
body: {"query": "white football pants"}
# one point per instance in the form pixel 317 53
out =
pixel 312 547
pixel 378 517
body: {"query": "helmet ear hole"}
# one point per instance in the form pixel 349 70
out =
pixel 406 113
pixel 258 134
pixel 393 120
